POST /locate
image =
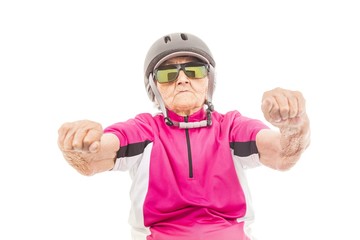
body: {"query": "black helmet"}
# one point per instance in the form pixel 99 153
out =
pixel 175 45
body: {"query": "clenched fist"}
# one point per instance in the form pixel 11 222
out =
pixel 86 148
pixel 283 107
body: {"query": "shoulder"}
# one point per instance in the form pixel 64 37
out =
pixel 149 118
pixel 239 124
pixel 228 116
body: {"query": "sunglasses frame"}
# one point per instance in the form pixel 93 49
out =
pixel 179 67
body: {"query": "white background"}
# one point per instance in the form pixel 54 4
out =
pixel 69 60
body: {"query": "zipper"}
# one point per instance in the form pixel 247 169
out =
pixel 191 172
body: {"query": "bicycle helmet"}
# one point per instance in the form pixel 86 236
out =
pixel 176 45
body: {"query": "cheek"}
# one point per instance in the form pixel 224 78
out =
pixel 165 91
pixel 202 87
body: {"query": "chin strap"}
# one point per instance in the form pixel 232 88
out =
pixel 169 122
pixel 203 123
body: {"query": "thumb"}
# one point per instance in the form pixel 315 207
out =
pixel 107 143
pixel 94 147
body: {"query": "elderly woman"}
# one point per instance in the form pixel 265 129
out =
pixel 187 162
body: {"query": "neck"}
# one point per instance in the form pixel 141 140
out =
pixel 186 112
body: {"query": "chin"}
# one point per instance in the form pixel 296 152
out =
pixel 184 104
pixel 186 110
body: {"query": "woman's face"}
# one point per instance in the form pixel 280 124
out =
pixel 185 95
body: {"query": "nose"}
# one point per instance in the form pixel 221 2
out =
pixel 182 78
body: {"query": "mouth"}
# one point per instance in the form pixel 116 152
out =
pixel 183 91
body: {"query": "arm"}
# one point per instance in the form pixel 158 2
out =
pixel 86 148
pixel 285 110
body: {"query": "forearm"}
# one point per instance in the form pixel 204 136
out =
pixel 284 109
pixel 88 167
pixel 78 163
pixel 294 139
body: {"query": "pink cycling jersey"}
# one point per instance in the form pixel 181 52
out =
pixel 188 184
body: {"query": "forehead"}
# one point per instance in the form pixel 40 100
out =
pixel 177 60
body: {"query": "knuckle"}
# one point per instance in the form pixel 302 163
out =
pixel 77 144
pixel 63 127
pixel 87 142
pixel 284 110
pixel 292 113
pixel 298 93
pixel 276 109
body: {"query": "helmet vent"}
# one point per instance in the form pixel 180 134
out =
pixel 167 39
pixel 184 36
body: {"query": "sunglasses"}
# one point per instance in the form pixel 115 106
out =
pixel 169 73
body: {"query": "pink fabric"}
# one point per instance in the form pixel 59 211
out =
pixel 208 204
pixel 196 231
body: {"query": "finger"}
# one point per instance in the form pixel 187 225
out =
pixel 279 108
pixel 94 147
pixel 65 137
pixel 68 140
pixel 61 135
pixel 281 111
pixel 266 107
pixel 272 110
pixel 109 145
pixel 293 105
pixel 79 135
pixel 92 136
pixel 301 104
pixel 62 131
pixel 78 139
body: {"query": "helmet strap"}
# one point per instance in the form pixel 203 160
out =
pixel 157 95
pixel 211 85
pixel 169 122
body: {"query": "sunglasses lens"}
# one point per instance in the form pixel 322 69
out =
pixel 166 75
pixel 169 73
pixel 196 71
